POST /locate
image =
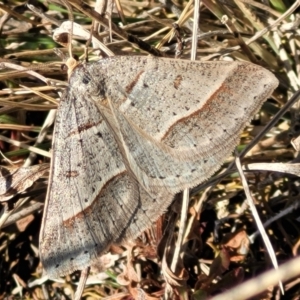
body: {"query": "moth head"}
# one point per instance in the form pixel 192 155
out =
pixel 83 82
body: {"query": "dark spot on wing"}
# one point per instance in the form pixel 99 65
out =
pixel 71 174
pixel 177 81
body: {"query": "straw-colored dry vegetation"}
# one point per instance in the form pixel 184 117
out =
pixel 220 245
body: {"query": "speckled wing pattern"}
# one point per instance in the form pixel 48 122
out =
pixel 130 133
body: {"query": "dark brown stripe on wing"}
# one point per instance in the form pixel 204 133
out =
pixel 81 216
pixel 131 85
pixel 84 127
pixel 206 107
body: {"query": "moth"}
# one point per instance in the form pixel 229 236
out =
pixel 130 133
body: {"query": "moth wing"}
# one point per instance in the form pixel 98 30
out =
pixel 156 167
pixel 187 105
pixel 151 207
pixel 179 120
pixel 91 198
pixel 97 171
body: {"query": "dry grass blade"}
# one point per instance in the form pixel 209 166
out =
pixel 286 271
pixel 258 222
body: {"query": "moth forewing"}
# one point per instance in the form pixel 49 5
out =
pixel 199 135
